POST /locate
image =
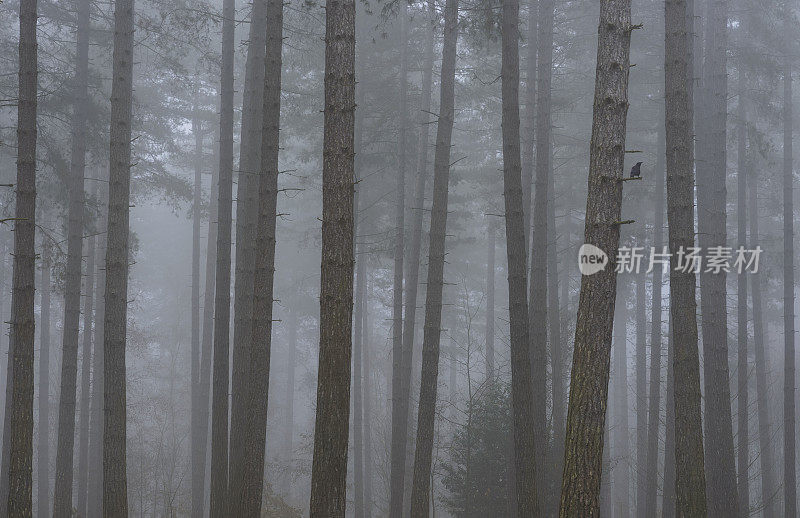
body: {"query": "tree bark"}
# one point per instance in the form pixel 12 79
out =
pixel 620 488
pixel 588 396
pixel 329 467
pixel 528 427
pixel 690 477
pixel 21 347
pixel 669 496
pixel 528 140
pixel 43 445
pixel 115 486
pixel 641 392
pixel 194 432
pixel 288 437
pixel 420 493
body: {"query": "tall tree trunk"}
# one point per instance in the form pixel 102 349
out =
pixel 528 140
pixel 329 467
pixel 641 392
pixel 20 430
pixel 420 493
pixel 742 406
pixel 490 271
pixel 768 485
pixel 288 437
pixel 588 393
pixel 43 445
pixel 367 406
pixel 648 507
pixel 527 428
pixel 247 208
pixel 115 485
pixel 86 372
pixel 789 468
pixel 690 477
pixel 401 376
pixel 196 447
pixel 222 294
pixel 605 504
pixel 669 496
pixel 264 265
pixel 62 498
pixel 621 442
pixel 711 193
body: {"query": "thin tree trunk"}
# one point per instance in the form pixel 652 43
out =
pixel 358 410
pixel 62 498
pixel 247 208
pixel 20 430
pixel 648 507
pixel 86 371
pixel 711 171
pixel 264 264
pixel 43 446
pixel 690 478
pixel 288 437
pixel 605 506
pixel 528 430
pixel 490 271
pixel 588 393
pixel 115 486
pixel 367 406
pixel 789 468
pixel 196 447
pixel 528 140
pixel 669 496
pixel 329 467
pixel 222 294
pixel 401 376
pixel 621 442
pixel 420 493
pixel 641 392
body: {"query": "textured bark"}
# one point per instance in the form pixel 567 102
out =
pixel 605 483
pixel 115 486
pixel 588 395
pixel 401 376
pixel 528 125
pixel 329 467
pixel 640 396
pixel 420 493
pixel 20 430
pixel 742 371
pixel 620 444
pixel 43 444
pixel 490 271
pixel 690 478
pixel 789 467
pixel 264 265
pixel 194 432
pixel 648 507
pixel 62 497
pixel 711 195
pixel 242 377
pixel 669 496
pixel 86 373
pixel 222 294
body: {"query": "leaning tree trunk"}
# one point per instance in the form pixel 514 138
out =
pixel 527 436
pixel 588 393
pixel 242 377
pixel 196 447
pixel 43 444
pixel 264 265
pixel 21 339
pixel 329 467
pixel 690 477
pixel 621 470
pixel 62 498
pixel 86 372
pixel 789 468
pixel 420 493
pixel 401 376
pixel 115 485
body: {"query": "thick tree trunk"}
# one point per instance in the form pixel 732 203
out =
pixel 711 194
pixel 641 392
pixel 528 140
pixel 222 294
pixel 491 233
pixel 329 467
pixel 401 376
pixel 690 478
pixel 20 429
pixel 196 447
pixel 648 507
pixel 588 393
pixel 62 498
pixel 621 441
pixel 43 444
pixel 86 371
pixel 789 467
pixel 528 432
pixel 242 377
pixel 115 486
pixel 420 493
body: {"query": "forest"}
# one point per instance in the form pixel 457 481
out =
pixel 398 258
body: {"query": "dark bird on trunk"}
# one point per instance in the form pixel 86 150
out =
pixel 636 171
